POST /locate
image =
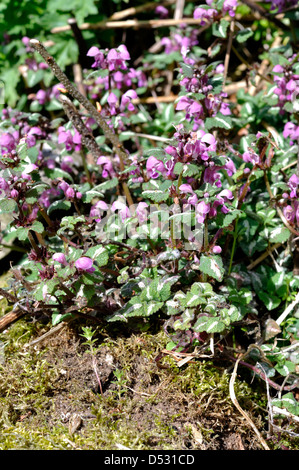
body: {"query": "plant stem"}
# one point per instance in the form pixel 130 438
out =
pixel 233 247
pixel 75 93
pixel 279 211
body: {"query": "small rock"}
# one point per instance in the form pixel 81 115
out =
pixel 75 423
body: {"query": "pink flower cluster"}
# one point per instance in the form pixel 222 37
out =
pixel 287 84
pixel 292 131
pixel 209 14
pixel 83 264
pixel 282 4
pixel 69 191
pixel 291 206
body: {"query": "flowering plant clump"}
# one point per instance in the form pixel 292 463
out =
pixel 133 206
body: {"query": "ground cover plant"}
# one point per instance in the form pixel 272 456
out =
pixel 152 186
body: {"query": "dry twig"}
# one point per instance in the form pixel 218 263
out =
pixel 236 403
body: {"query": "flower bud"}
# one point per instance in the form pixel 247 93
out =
pixel 85 264
pixel 60 258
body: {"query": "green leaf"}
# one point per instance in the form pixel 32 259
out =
pixel 156 195
pixel 187 70
pixel 59 205
pixel 33 193
pixel 244 34
pixel 99 254
pixel 270 301
pixel 37 227
pixel 184 322
pixel 286 368
pixel 59 317
pixel 212 266
pixel 109 184
pixel 218 121
pixel 90 195
pixel 54 173
pixel 7 206
pixel 220 29
pixel 279 234
pixel 152 307
pixel 224 220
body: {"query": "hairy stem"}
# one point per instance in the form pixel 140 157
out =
pixel 75 93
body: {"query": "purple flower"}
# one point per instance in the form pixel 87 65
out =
pixel 126 100
pixel 116 58
pixel 97 209
pixel 112 101
pixel 42 97
pixel 69 193
pixel 72 142
pixel 124 211
pixel 230 6
pixel 60 258
pixel 99 58
pixel 14 193
pixel 251 157
pixel 204 15
pixel 4 185
pixel 154 167
pixel 217 249
pixel 63 185
pixel 107 166
pixel 293 184
pixel 8 141
pixel 202 210
pixel 85 264
pixel 161 11
pixel 291 130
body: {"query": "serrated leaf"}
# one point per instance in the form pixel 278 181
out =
pixel 109 184
pixel 279 235
pixel 219 121
pixel 156 195
pixel 193 300
pixel 187 70
pixel 184 322
pixel 54 173
pixel 286 368
pixel 214 325
pixel 224 220
pixel 152 307
pixel 7 206
pixel 244 34
pixel 220 29
pixel 59 205
pixel 90 195
pixel 212 266
pixel 99 254
pixel 270 301
pixel 37 227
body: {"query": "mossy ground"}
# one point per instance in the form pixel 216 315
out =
pixel 57 395
pixel 141 406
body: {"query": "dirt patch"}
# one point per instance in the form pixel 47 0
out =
pixel 119 396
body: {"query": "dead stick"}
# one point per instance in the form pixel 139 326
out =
pixel 236 403
pixel 10 318
pixel 134 24
pixel 263 256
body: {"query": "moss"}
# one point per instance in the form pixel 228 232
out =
pixel 140 406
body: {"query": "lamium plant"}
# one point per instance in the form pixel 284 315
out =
pixel 186 215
